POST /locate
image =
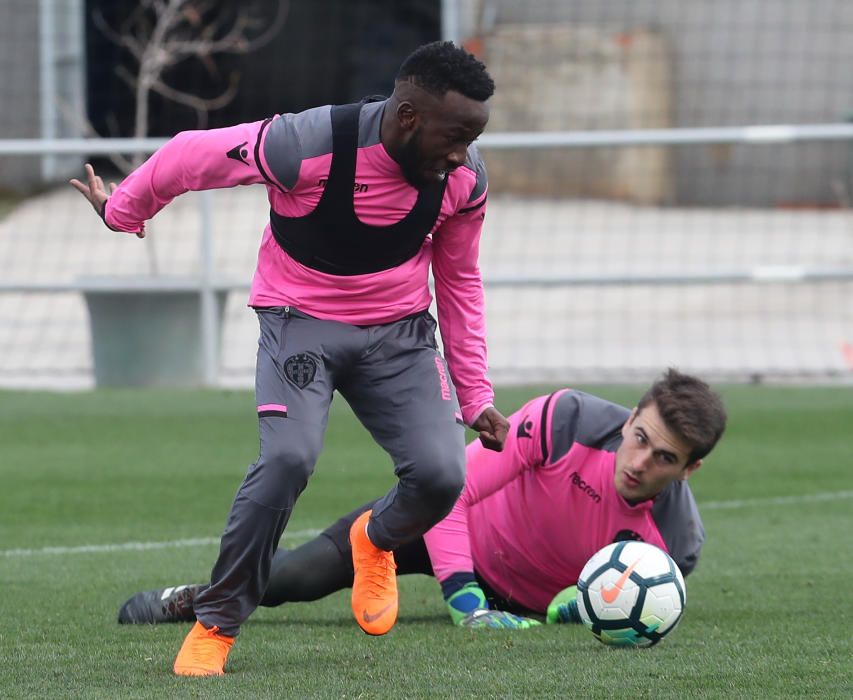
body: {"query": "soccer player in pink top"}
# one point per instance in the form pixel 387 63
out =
pixel 577 473
pixel 364 199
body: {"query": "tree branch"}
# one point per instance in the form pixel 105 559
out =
pixel 126 41
pixel 201 105
pixel 162 33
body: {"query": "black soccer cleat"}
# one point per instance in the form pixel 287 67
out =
pixel 172 604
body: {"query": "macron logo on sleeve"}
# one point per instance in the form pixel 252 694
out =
pixel 239 153
pixel 525 428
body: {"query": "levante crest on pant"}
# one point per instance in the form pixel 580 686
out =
pixel 300 369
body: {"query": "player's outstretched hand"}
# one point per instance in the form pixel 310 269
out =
pixel 497 620
pixel 96 193
pixel 493 428
pixel 94 189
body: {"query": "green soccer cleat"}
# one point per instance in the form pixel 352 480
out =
pixel 564 608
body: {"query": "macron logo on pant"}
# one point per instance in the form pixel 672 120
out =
pixel 442 379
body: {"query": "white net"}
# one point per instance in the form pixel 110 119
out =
pixel 575 290
pixel 733 260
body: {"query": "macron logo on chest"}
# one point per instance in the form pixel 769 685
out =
pixel 585 487
pixel 356 186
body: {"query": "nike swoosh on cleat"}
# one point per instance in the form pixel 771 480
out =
pixel 610 593
pixel 367 617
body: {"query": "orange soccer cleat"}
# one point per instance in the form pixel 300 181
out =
pixel 374 588
pixel 203 652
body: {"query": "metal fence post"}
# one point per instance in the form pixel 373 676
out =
pixel 207 294
pixel 450 20
pixel 47 82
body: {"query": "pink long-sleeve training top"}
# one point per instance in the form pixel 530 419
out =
pixel 531 516
pixel 290 155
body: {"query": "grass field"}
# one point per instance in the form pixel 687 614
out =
pixel 769 609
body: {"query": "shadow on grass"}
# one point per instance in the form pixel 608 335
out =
pixel 342 623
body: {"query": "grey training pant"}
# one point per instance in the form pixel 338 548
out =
pixel 397 385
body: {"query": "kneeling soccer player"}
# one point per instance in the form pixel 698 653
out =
pixel 577 473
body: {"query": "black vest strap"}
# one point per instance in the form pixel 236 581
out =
pixel 331 239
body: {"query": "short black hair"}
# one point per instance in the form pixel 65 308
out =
pixel 442 66
pixel 690 409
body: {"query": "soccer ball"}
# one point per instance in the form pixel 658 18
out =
pixel 631 594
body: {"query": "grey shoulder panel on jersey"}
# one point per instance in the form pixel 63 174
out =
pixel 369 123
pixel 587 419
pixel 474 162
pixel 677 517
pixel 293 137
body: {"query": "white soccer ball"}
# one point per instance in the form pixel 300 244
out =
pixel 631 594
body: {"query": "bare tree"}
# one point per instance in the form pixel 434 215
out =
pixel 160 34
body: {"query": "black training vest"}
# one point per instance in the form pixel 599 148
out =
pixel 331 239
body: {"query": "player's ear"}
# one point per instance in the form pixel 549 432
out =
pixel 689 469
pixel 407 115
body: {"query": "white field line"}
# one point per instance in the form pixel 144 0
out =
pixel 139 546
pixel 306 534
pixel 779 501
